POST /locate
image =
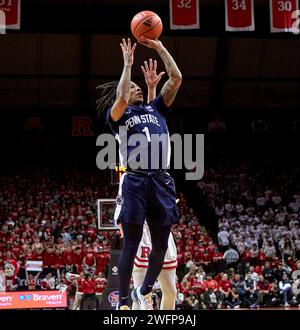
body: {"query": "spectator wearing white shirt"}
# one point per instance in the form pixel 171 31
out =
pixel 285 288
pixel 275 233
pixel 223 223
pixel 294 206
pixel 241 246
pixel 293 221
pixel 261 202
pixel 254 275
pixel 295 231
pixel 297 247
pixel 251 241
pixel 296 272
pixel 287 249
pixel 270 250
pixel 65 236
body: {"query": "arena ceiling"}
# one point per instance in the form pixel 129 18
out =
pixel 67 47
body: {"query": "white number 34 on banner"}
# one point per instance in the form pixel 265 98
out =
pixel 239 15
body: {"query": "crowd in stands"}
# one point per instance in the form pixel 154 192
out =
pixel 257 209
pixel 50 214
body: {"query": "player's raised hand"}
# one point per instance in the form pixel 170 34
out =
pixel 128 51
pixel 150 74
pixel 151 43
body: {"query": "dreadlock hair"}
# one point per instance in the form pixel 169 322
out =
pixel 108 94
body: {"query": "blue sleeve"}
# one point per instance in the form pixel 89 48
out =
pixel 159 104
pixel 108 116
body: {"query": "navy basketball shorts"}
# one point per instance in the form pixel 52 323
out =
pixel 143 197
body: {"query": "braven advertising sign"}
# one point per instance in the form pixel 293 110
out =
pixel 33 299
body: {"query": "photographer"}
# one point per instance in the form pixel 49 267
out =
pixel 89 291
pixel 233 299
pixel 274 295
pixel 251 297
pixel 210 299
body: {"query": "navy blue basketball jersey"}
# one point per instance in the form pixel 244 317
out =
pixel 142 129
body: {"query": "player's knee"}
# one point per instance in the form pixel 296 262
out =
pixel 170 293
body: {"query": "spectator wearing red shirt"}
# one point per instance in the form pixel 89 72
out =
pixel 210 283
pixel 101 284
pixel 185 286
pixel 1 260
pixel 38 255
pixel 28 255
pixel 89 291
pixel 58 260
pixel 261 257
pixel 224 287
pixel 206 259
pixel 89 260
pixel 218 263
pixel 16 249
pixel 101 260
pixel 48 258
pixel 78 259
pixel 68 259
pixel 91 232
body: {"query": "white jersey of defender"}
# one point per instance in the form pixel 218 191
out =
pixel 145 247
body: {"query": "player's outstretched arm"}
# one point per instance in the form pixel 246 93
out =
pixel 151 78
pixel 123 90
pixel 172 85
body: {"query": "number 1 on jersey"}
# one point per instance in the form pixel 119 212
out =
pixel 146 131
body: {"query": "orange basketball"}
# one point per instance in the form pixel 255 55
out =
pixel 146 24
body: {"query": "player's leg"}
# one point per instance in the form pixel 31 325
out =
pixel 76 301
pixel 131 212
pixel 162 213
pixel 138 278
pixel 167 281
pixel 132 236
pixel 159 238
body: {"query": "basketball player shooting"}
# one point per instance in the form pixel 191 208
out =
pixel 144 193
pixel 167 276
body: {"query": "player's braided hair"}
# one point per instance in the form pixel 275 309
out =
pixel 108 93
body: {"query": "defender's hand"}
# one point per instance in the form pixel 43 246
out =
pixel 149 71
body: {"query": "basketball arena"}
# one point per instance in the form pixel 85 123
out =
pixel 236 244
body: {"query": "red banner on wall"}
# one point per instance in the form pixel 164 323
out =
pixel 184 14
pixel 281 14
pixel 239 15
pixel 11 9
